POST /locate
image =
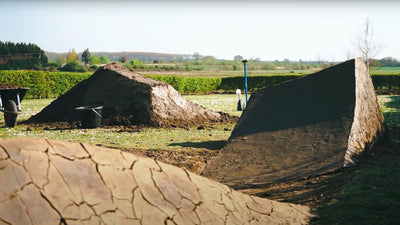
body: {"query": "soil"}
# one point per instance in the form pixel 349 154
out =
pixel 301 128
pixel 128 98
pixel 9 86
pixel 388 92
pixel 315 192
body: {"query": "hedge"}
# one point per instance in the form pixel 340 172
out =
pixel 45 84
pixel 42 84
pixel 190 85
pixel 230 84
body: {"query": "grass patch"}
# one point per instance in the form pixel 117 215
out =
pixel 390 107
pixel 371 197
pixel 177 139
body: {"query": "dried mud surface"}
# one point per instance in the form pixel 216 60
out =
pixel 53 182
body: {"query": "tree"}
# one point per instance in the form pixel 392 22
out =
pixel 72 56
pixel 86 56
pixel 94 60
pixel 196 56
pixel 104 59
pixel 367 44
pixel 238 58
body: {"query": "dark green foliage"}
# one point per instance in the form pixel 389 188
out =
pixel 386 81
pixel 372 195
pixel 86 56
pixel 33 63
pixel 74 66
pixel 43 84
pixel 190 85
pixel 254 83
pixel 389 61
pixel 21 56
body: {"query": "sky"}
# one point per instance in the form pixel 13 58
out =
pixel 268 30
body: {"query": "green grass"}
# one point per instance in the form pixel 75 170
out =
pixel 385 70
pixel 372 196
pixel 217 102
pixel 146 138
pixel 161 138
pixel 390 107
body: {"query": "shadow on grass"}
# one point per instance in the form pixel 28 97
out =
pixel 371 196
pixel 392 119
pixel 394 102
pixel 212 145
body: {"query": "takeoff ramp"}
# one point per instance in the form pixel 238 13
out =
pixel 302 128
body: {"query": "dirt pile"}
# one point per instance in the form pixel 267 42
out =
pixel 302 128
pixel 9 86
pixel 128 98
pixel 53 182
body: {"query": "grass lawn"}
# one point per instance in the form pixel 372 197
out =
pixel 146 138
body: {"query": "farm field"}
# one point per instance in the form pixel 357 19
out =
pixel 367 194
pixel 221 74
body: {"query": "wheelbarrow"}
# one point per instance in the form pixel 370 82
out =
pixel 10 104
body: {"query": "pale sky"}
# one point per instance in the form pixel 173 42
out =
pixel 269 30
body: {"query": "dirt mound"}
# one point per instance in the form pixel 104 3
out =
pixel 302 128
pixel 53 182
pixel 9 86
pixel 128 98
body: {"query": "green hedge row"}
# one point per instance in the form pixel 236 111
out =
pixel 190 85
pixel 230 84
pixel 42 84
pixel 386 81
pixel 45 84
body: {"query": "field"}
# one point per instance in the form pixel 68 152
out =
pixel 368 194
pixel 167 138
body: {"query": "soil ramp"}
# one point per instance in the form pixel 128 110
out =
pixel 302 128
pixel 128 98
pixel 53 182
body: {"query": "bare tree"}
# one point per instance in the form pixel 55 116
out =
pixel 366 43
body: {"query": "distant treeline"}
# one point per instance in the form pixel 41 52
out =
pixel 21 56
pixel 385 62
pixel 147 57
pixel 44 84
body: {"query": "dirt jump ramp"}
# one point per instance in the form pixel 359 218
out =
pixel 128 98
pixel 302 128
pixel 53 182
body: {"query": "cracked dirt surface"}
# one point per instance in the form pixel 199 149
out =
pixel 53 182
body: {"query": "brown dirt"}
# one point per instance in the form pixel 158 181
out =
pixel 314 192
pixel 388 92
pixel 128 98
pixel 192 160
pixel 9 86
pixel 300 129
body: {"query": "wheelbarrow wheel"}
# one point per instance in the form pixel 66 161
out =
pixel 10 113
